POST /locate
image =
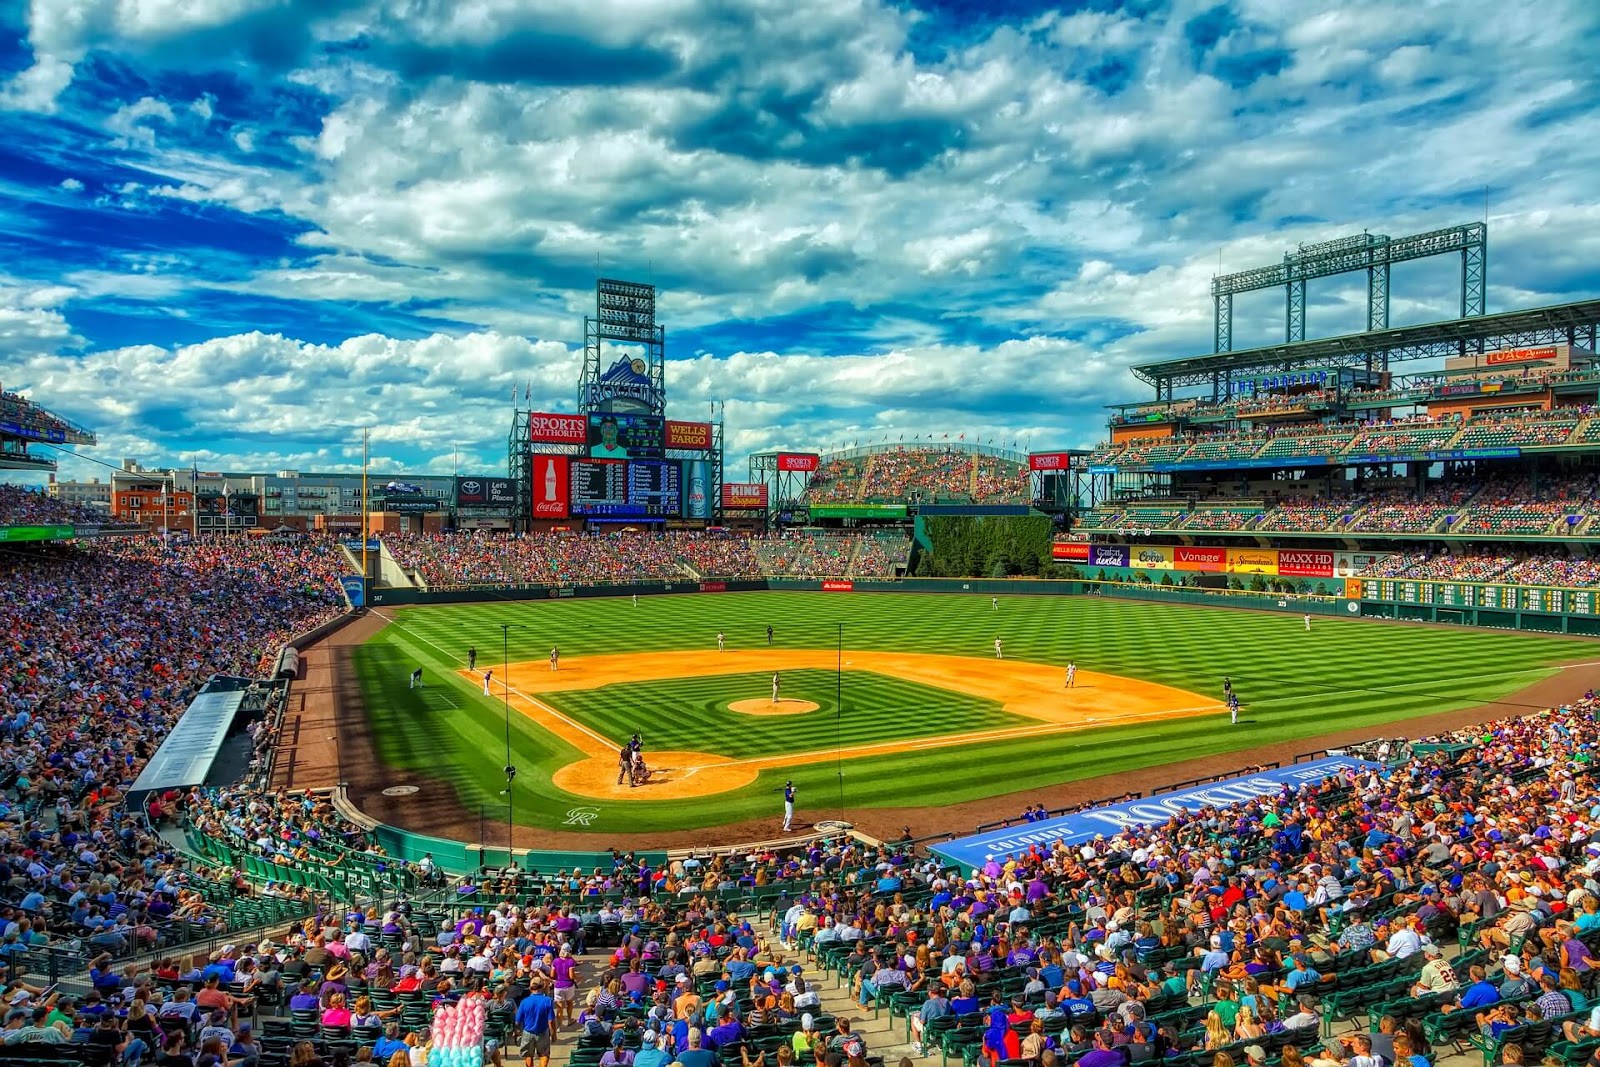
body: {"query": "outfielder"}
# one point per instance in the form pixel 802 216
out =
pixel 416 679
pixel 636 600
pixel 994 603
pixel 1308 622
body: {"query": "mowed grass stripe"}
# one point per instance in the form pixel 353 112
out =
pixel 691 714
pixel 1345 673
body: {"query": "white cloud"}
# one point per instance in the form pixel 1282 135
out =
pixel 134 124
pixel 72 185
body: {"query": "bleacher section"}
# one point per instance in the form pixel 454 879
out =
pixel 952 473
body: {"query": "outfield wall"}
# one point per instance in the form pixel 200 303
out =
pixel 1506 608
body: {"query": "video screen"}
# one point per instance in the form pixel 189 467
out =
pixel 655 488
pixel 599 488
pixel 613 436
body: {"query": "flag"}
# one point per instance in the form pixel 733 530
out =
pixel 527 392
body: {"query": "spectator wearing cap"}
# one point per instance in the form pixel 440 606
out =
pixel 1515 983
pixel 1304 1017
pixel 618 1055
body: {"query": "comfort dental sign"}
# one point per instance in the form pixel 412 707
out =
pixel 1151 811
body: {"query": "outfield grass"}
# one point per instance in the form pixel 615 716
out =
pixel 691 714
pixel 1344 674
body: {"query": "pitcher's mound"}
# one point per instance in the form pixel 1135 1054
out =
pixel 784 706
pixel 673 776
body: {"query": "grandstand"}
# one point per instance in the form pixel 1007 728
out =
pixel 24 423
pixel 949 472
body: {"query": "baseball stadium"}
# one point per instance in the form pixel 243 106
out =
pixel 1260 731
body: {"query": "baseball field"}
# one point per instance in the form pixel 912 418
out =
pixel 885 700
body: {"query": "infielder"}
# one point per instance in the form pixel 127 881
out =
pixel 774 688
pixel 486 676
pixel 997 653
pixel 555 658
pixel 416 678
pixel 1233 709
pixel 788 805
pixel 1072 674
pixel 722 641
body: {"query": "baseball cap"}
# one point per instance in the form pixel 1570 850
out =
pixel 649 1037
pixel 1255 1052
pixel 807 1022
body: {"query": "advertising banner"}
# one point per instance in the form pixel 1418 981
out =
pixel 1049 461
pixel 744 495
pixel 1152 558
pixel 355 589
pixel 1071 551
pixel 1155 810
pixel 688 434
pixel 838 587
pixel 1520 355
pixel 558 429
pixel 1350 564
pixel 1253 560
pixel 1305 563
pixel 858 511
pixel 1199 559
pixel 696 486
pixel 798 461
pixel 551 487
pixel 484 493
pixel 34 533
pixel 411 505
pixel 1108 555
pixel 713 587
pixel 1352 589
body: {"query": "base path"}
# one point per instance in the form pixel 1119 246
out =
pixel 1035 691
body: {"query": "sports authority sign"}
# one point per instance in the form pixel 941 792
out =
pixel 1049 461
pixel 558 429
pixel 798 461
pixel 695 435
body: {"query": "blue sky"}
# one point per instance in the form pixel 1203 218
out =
pixel 234 233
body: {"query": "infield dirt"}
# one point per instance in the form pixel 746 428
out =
pixel 1034 691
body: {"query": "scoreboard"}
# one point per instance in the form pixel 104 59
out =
pixel 1538 599
pixel 599 487
pixel 614 488
pixel 655 488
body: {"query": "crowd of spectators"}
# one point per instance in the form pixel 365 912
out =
pixel 481 560
pixel 25 505
pixel 18 409
pixel 1407 511
pixel 105 645
pixel 920 474
pixel 477 560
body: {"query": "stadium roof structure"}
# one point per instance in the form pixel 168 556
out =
pixel 1574 324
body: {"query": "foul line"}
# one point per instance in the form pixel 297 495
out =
pixel 505 687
